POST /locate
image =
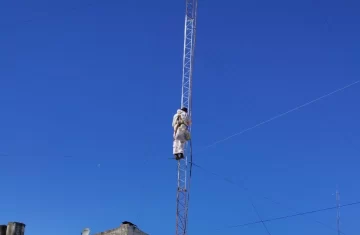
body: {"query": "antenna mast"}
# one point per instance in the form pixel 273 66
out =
pixel 338 211
pixel 184 174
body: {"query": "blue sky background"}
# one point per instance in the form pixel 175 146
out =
pixel 93 82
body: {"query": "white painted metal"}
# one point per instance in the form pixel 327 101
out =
pixel 86 231
pixel 183 184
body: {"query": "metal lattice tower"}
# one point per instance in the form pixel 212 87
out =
pixel 183 182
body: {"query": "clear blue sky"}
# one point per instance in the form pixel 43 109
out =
pixel 94 82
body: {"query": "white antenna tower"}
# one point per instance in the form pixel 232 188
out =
pixel 184 174
pixel 338 211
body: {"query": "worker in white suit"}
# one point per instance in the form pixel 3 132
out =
pixel 181 122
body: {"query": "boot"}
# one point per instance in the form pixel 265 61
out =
pixel 181 156
pixel 177 157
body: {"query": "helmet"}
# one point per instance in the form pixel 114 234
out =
pixel 184 109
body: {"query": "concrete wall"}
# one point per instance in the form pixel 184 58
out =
pixel 15 228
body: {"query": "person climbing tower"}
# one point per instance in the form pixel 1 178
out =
pixel 181 122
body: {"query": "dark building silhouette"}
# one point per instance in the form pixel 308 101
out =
pixel 3 229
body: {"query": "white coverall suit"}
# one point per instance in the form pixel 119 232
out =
pixel 180 123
